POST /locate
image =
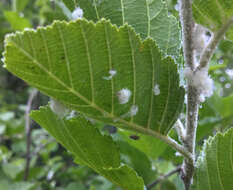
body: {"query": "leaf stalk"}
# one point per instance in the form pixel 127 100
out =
pixel 210 48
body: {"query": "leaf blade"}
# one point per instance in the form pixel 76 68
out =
pixel 213 14
pixel 89 146
pixel 215 164
pixel 60 68
pixel 148 18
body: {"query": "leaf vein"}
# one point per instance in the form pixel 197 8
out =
pixel 123 12
pixel 218 170
pixel 46 49
pixel 168 97
pixel 89 64
pixel 66 55
pixel 134 71
pixel 110 65
pixel 152 93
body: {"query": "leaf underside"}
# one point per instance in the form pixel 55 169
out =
pixel 89 147
pixel 148 18
pixel 213 14
pixel 215 164
pixel 69 62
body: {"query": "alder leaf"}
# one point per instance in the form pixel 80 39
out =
pixel 89 147
pixel 149 18
pixel 133 157
pixel 214 14
pixel 215 163
pixel 73 63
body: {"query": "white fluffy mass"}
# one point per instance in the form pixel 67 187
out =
pixel 202 81
pixel 58 108
pixel 77 13
pixel 200 39
pixel 123 95
pixel 156 90
pixel 133 110
pixel 112 73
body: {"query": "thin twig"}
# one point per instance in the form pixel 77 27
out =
pixel 216 38
pixel 28 128
pixel 187 22
pixel 163 177
pixel 190 136
pixel 179 127
pixel 166 139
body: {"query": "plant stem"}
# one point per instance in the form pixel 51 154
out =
pixel 187 22
pixel 190 136
pixel 169 141
pixel 163 177
pixel 209 50
pixel 28 128
pixel 14 5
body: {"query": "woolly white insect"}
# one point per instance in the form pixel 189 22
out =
pixel 77 13
pixel 71 115
pixel 58 108
pixel 156 90
pixel 178 154
pixel 112 73
pixel 201 80
pixel 133 110
pixel 200 39
pixel 123 95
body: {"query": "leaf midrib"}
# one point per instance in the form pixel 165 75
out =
pixel 99 170
pixel 134 126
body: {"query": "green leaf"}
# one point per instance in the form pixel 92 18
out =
pixel 213 14
pixel 152 147
pixel 17 22
pixel 21 4
pixel 148 17
pixel 71 61
pixel 214 165
pixel 13 168
pixel 70 4
pixel 167 185
pixel 89 147
pixel 5 185
pixel 224 105
pixel 137 160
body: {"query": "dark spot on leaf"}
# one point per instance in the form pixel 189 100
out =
pixel 134 137
pixel 111 129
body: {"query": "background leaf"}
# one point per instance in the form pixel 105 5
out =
pixel 213 14
pixel 69 61
pixel 214 165
pixel 17 22
pixel 149 18
pixel 152 147
pixel 89 147
pixel 137 160
pixel 21 4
